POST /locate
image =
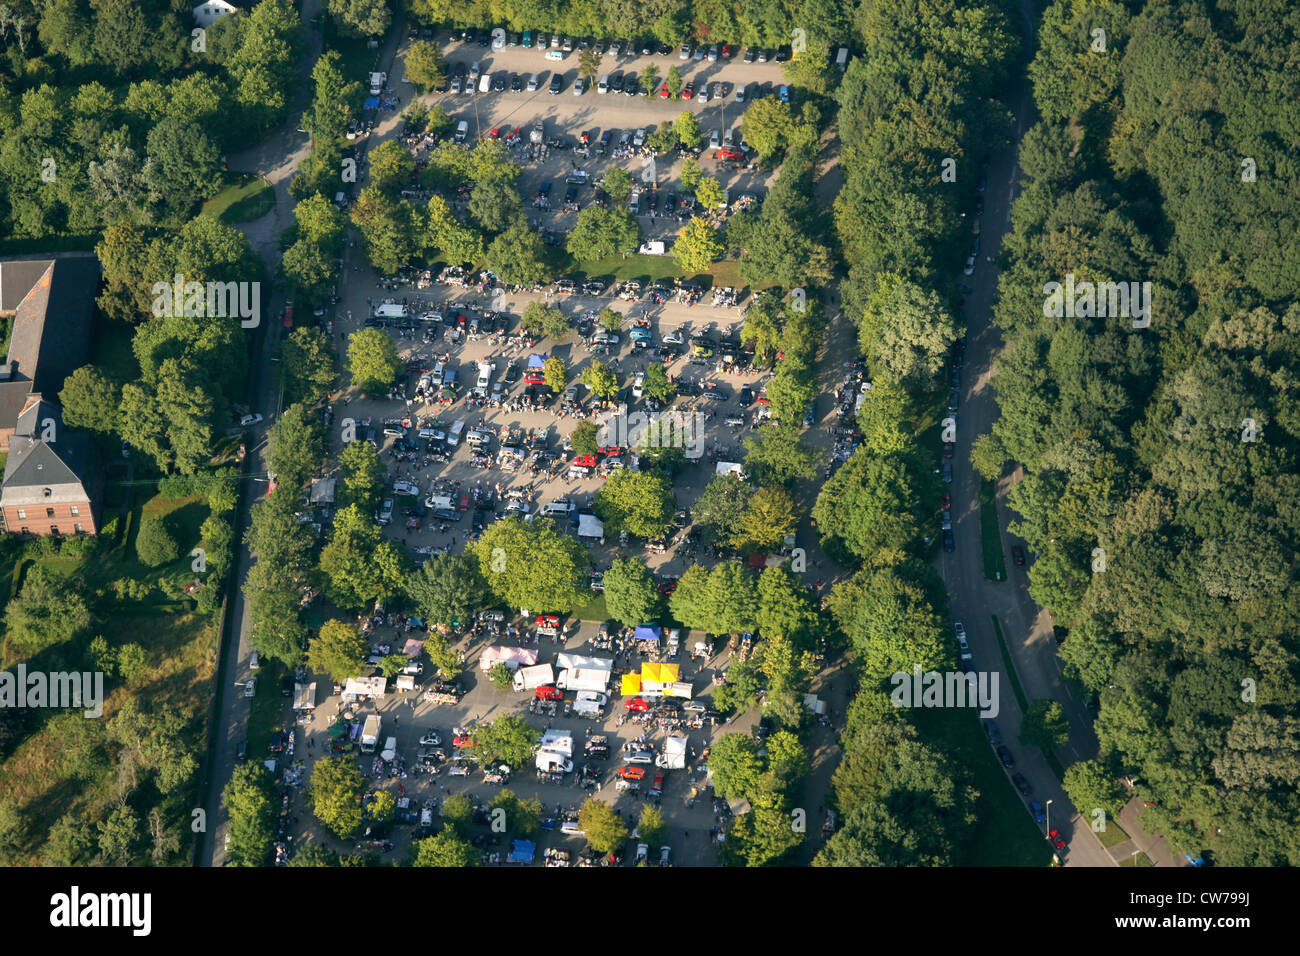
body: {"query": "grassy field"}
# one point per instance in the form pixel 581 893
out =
pixel 1005 834
pixel 1140 860
pixel 22 247
pixel 266 715
pixel 995 568
pixel 244 198
pixel 1113 835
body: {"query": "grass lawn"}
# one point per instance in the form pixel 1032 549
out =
pixel 22 247
pixel 244 198
pixel 1009 668
pixel 1140 860
pixel 1113 835
pixel 266 714
pixel 1005 835
pixel 995 568
pixel 595 611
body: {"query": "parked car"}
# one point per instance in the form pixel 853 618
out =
pixel 1021 784
pixel 1005 755
pixel 1017 556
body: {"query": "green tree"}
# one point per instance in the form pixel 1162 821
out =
pixel 425 66
pixel 585 438
pixel 639 502
pixel 391 166
pixel 154 543
pixel 1044 725
pixel 444 850
pixel 457 814
pixel 335 795
pixel 90 400
pixel 555 373
pixel 769 516
pixel 523 817
pixel 657 385
pixel 338 650
pixel 494 203
pixel 502 677
pixel 630 594
pixel 531 565
pixel 988 457
pixel 697 247
pixel 449 588
pixel 250 802
pixel 688 130
pixel 674 82
pixel 601 233
pixel 308 363
pixel 736 767
pixel 119 836
pixel 543 321
pixel 296 446
pixel 617 183
pixel 775 456
pixel 509 739
pixel 1091 785
pixel 373 361
pixel 651 828
pixel 362 17
pixel 601 379
pixel 720 508
pixel 517 255
pixel 768 122
pixel 360 566
pixel 602 825
pixel 588 64
pixel 710 194
pixel 363 474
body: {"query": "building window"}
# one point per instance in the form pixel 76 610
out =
pixel 49 512
pixel 54 529
pixel 22 513
pixel 75 511
pixel 79 529
pixel 25 530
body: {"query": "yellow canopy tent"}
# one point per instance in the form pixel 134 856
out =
pixel 631 684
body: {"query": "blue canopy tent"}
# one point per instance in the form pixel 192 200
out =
pixel 371 103
pixel 525 851
pixel 647 632
pixel 536 361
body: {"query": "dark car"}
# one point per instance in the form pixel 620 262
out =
pixel 947 472
pixel 948 544
pixel 241 754
pixel 516 83
pixel 1017 556
pixel 746 397
pixel 992 732
pixel 749 55
pixel 782 54
pixel 633 87
pixel 1004 754
pixel 1040 814
pixel 557 83
pixel 766 89
pixel 616 83
pixel 512 374
pixel 499 83
pixel 446 514
pixel 1022 784
pixel 947 449
pixel 982 184
pixel 715 393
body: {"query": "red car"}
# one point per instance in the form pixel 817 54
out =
pixel 632 773
pixel 462 741
pixel 947 502
pixel 585 461
pixel 688 91
pixel 288 316
pixel 668 586
pixel 547 620
pixel 657 784
pixel 548 692
pixel 637 703
pixel 1018 556
pixel 727 153
pixel 663 92
pixel 1058 841
pixel 610 450
pixel 726 52
pixel 534 378
pixel 763 399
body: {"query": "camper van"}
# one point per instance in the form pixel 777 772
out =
pixel 377 81
pixel 390 310
pixel 453 436
pixel 462 131
pixel 485 83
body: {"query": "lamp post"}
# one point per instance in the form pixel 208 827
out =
pixel 1049 817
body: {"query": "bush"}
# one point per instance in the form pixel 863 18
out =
pixel 154 544
pixel 109 531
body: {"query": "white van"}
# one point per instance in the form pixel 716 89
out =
pixel 478 437
pixel 453 436
pixel 533 82
pixel 603 85
pixel 559 508
pixel 390 310
pixel 485 83
pixel 555 54
pixel 436 376
pixel 842 58
pixel 439 501
pixel 462 131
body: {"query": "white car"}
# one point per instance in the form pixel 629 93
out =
pixel 638 385
pixel 250 687
pixel 674 338
pixel 639 139
pixel 431 739
pixel 252 419
pixel 642 853
pixel 970 266
pixel 715 139
pixel 579 86
pixel 702 96
pixel 664 852
pixel 405 488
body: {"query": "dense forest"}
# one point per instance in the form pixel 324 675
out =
pixel 1160 482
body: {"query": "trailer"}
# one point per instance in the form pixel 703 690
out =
pixel 304 697
pixel 370 733
pixel 584 679
pixel 361 688
pixel 590 704
pixel 555 752
pixel 530 678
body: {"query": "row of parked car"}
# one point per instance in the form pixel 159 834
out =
pixel 499 39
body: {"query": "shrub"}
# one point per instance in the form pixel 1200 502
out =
pixel 154 544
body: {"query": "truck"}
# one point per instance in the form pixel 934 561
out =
pixel 555 752
pixel 377 81
pixel 390 749
pixel 583 679
pixel 370 733
pixel 530 678
pixel 462 131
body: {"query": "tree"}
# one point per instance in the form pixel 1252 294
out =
pixel 531 565
pixel 1044 725
pixel 602 825
pixel 673 82
pixel 736 767
pixel 335 795
pixel 373 361
pixel 617 183
pixel 588 64
pixel 296 446
pixel 555 374
pixel 502 677
pixel 585 439
pixel 449 588
pixel 309 267
pixel 307 360
pixel 688 130
pixel 391 166
pixel 154 543
pixel 868 505
pixel 444 850
pixel 691 173
pixel 90 400
pixel 338 650
pixel 775 456
pixel 906 333
pixel 988 457
pixel 251 804
pixel 1091 785
pixel 70 842
pixel 183 166
pixel 631 597
pixel 388 229
pixel 610 320
pixel 601 233
pixel 543 321
pixel 392 664
pixel 363 474
pixel 710 194
pixel 509 739
pixel 601 379
pixel 457 814
pixel 362 17
pixel 313 854
pixel 768 122
pixel 770 515
pixel 119 836
pixel 639 502
pixel 516 256
pixel 657 385
pixel 359 564
pixel 761 837
pixel 425 66
pixel 494 203
pixel 523 818
pixel 721 507
pixel 651 827
pixel 697 247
